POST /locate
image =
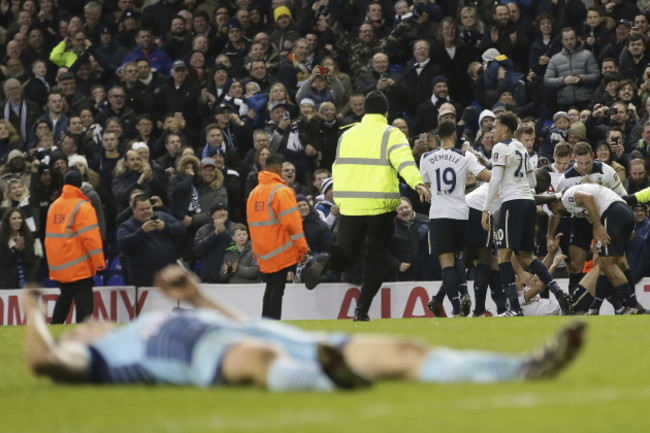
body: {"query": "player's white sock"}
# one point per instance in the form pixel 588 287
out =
pixel 286 374
pixel 448 365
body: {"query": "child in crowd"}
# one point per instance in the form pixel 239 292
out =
pixel 553 135
pixel 255 101
pixel 239 263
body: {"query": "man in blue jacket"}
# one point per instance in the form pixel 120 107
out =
pixel 146 49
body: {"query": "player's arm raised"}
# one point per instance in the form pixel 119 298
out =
pixel 179 284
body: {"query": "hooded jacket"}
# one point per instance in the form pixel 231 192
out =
pixel 72 239
pixel 275 224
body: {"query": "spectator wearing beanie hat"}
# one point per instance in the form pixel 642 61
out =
pixel 427 112
pixel 285 32
pixel 325 203
pixel 577 132
pixel 89 185
pixel 370 156
pixel 554 134
pixel 237 46
pixel 489 118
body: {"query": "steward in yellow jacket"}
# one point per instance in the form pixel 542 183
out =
pixel 369 157
pixel 276 231
pixel 73 246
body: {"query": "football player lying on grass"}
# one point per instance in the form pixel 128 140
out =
pixel 214 345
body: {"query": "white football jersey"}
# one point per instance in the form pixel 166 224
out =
pixel 476 199
pixel 537 306
pixel 555 179
pixel 446 172
pixel 533 158
pixel 555 183
pixel 601 174
pixel 512 155
pixel 603 196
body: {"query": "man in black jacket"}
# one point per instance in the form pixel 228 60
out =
pixel 410 243
pixel 180 94
pixel 210 243
pixel 136 174
pixel 417 76
pixel 117 108
pixel 148 239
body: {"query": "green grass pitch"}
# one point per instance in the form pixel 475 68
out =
pixel 606 390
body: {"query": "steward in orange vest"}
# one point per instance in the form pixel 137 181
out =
pixel 73 246
pixel 276 231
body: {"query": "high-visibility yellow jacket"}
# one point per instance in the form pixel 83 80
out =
pixel 61 56
pixel 643 196
pixel 275 224
pixel 72 240
pixel 369 156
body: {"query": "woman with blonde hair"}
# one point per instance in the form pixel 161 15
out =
pixel 8 132
pixel 16 194
pixel 279 93
pixel 9 139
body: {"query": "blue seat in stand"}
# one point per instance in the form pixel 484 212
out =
pixel 115 280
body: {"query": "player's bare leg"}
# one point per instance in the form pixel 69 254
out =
pixel 380 357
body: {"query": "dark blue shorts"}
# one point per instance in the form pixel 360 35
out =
pixel 618 220
pixel 446 235
pixel 581 232
pixel 476 236
pixel 517 225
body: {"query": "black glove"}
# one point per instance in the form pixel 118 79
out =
pixel 630 199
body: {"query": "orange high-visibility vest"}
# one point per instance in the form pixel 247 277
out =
pixel 275 224
pixel 72 240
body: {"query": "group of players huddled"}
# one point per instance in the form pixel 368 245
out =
pixel 588 209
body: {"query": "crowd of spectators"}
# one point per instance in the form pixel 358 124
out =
pixel 178 103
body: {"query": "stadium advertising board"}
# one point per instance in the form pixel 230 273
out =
pixel 327 301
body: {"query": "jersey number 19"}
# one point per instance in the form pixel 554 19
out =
pixel 448 178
